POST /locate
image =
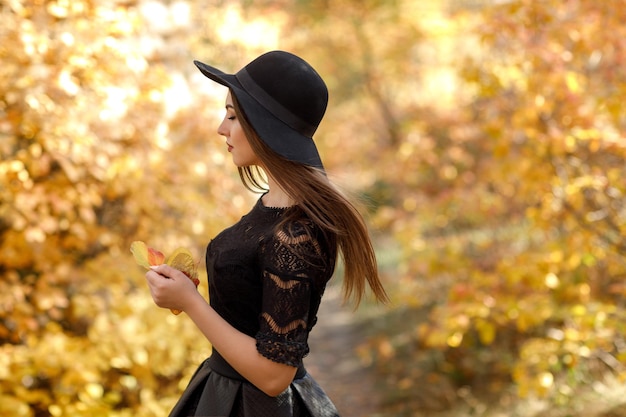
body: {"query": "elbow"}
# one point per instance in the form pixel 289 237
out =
pixel 278 382
pixel 273 387
pixel 273 378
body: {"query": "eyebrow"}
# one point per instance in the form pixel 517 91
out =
pixel 230 106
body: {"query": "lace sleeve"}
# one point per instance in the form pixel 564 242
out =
pixel 295 268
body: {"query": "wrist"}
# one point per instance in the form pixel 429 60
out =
pixel 194 303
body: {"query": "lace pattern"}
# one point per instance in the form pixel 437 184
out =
pixel 293 272
pixel 268 281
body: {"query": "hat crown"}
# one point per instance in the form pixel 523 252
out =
pixel 288 81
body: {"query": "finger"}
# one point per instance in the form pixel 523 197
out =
pixel 153 278
pixel 157 277
pixel 164 270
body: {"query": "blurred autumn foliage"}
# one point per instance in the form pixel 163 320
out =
pixel 510 205
pixel 488 138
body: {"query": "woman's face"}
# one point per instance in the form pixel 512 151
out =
pixel 236 140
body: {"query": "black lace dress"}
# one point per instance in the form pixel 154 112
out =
pixel 267 283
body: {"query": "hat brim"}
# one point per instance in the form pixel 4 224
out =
pixel 279 136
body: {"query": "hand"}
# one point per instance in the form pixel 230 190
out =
pixel 170 288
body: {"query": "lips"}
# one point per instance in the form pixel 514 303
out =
pixel 230 147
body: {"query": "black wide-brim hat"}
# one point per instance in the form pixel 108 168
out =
pixel 283 98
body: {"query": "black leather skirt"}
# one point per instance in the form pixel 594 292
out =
pixel 218 390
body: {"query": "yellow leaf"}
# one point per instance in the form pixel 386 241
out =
pixel 140 253
pixel 182 260
pixel 454 340
pixel 145 256
pixel 486 332
pixel 572 81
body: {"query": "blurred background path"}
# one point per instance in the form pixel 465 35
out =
pixel 334 363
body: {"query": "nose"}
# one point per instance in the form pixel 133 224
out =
pixel 221 129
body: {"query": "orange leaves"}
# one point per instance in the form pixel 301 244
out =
pixel 180 259
pixel 145 256
pixel 155 257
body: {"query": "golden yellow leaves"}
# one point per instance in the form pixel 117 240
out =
pixel 180 259
pixel 544 214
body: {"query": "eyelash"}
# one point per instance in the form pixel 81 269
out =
pixel 232 118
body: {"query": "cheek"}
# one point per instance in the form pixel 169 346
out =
pixel 248 153
pixel 237 135
pixel 239 138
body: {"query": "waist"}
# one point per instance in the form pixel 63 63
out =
pixel 217 363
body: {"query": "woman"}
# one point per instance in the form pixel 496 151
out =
pixel 267 273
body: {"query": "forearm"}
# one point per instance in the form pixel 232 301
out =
pixel 239 349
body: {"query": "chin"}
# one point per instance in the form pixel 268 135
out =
pixel 244 163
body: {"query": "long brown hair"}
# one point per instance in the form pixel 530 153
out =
pixel 325 205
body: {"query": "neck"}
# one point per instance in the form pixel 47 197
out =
pixel 276 196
